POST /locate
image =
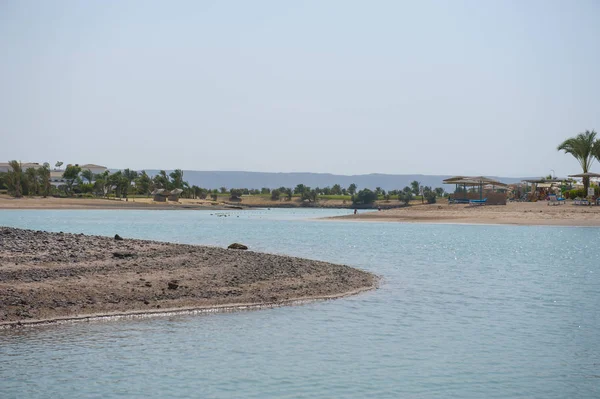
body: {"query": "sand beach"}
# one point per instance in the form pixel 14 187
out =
pixel 513 213
pixel 8 202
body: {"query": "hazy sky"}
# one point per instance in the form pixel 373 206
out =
pixel 349 87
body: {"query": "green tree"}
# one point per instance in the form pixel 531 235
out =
pixel 352 189
pixel 71 175
pixel 406 195
pixel 415 187
pixel 275 195
pixel 119 183
pixel 365 197
pixel 102 184
pixel 309 195
pixel 176 179
pixel 235 194
pixel 265 190
pixel 300 189
pixel 33 184
pixel 439 192
pixel 161 180
pixel 3 179
pixel 202 193
pixel 88 175
pixel 336 189
pixel 130 176
pixel 14 179
pixel 584 148
pixel 143 183
pixel 429 195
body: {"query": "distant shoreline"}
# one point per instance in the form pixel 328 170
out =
pixel 517 214
pixel 52 203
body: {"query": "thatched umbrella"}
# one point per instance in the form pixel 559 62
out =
pixel 474 181
pixel 589 174
pixel 584 175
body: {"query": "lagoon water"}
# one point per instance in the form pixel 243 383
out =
pixel 465 311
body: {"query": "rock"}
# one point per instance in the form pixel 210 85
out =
pixel 173 285
pixel 118 237
pixel 236 245
pixel 148 284
pixel 123 255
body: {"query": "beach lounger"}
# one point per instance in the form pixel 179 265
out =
pixel 553 200
pixel 458 201
pixel 478 202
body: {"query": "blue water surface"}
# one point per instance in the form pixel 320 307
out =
pixel 464 311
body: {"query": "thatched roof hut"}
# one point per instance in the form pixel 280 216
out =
pixel 174 194
pixel 160 195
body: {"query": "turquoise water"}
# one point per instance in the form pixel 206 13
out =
pixel 463 311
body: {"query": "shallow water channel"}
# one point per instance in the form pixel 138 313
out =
pixel 466 311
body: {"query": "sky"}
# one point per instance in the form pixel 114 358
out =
pixel 345 87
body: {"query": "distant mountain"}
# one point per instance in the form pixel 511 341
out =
pixel 216 179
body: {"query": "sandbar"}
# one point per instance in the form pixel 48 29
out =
pixel 46 277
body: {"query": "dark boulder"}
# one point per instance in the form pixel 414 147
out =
pixel 123 255
pixel 236 245
pixel 173 285
pixel 118 237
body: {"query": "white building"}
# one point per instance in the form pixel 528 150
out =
pixel 5 166
pixel 56 178
pixel 96 169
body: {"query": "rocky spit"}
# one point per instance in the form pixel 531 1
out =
pixel 54 276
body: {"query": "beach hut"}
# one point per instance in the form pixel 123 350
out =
pixel 174 194
pixel 160 195
pixel 482 184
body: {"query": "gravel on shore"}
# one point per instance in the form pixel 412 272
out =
pixel 48 276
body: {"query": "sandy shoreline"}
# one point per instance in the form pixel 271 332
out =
pixel 55 277
pixel 518 213
pixel 7 202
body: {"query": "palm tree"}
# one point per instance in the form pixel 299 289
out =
pixel 130 176
pixel 33 186
pixel 88 175
pixel 44 179
pixel 177 178
pixel 584 147
pixel 143 183
pixel 15 178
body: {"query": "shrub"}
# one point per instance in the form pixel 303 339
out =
pixel 430 196
pixel 580 192
pixel 214 196
pixel 365 197
pixel 275 194
pixel 405 196
pixel 309 195
pixel 235 194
